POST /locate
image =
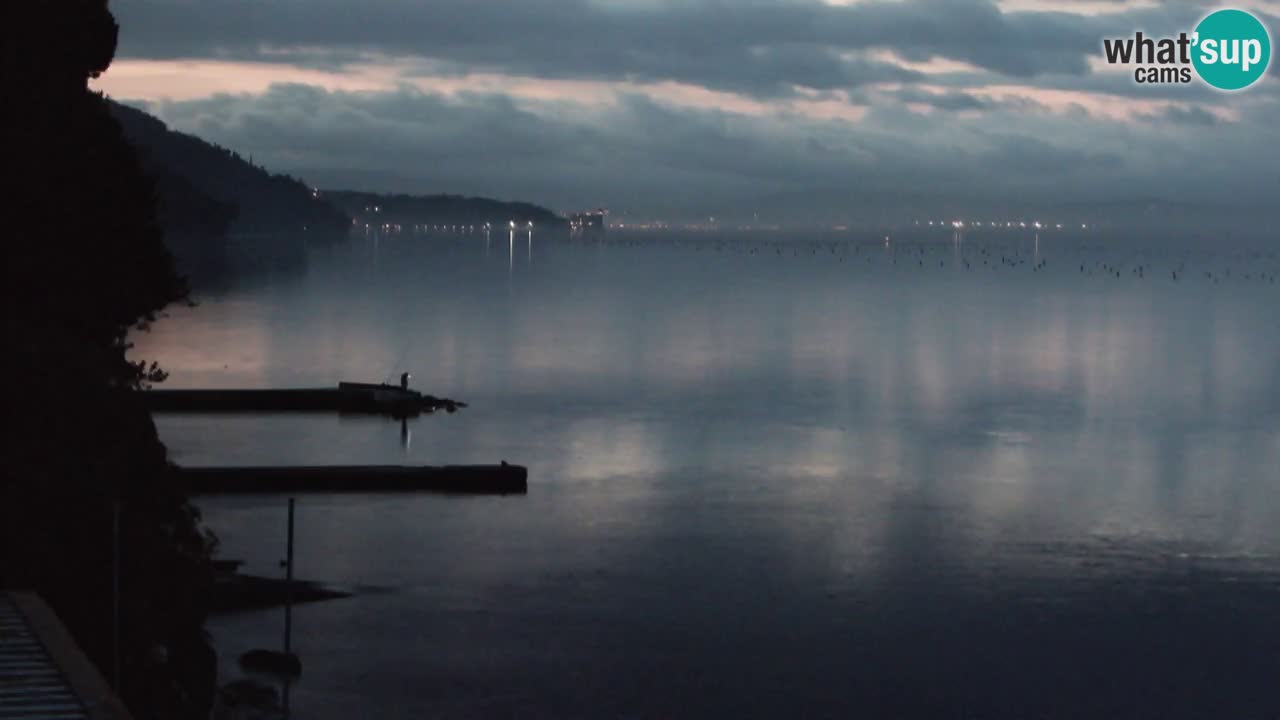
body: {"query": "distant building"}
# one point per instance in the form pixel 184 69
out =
pixel 588 220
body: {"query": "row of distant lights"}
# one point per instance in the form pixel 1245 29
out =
pixel 486 226
pixel 961 224
pixel 387 226
pixel 957 224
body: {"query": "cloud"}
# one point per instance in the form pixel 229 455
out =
pixel 672 106
pixel 640 153
pixel 1185 115
pixel 943 101
pixel 753 47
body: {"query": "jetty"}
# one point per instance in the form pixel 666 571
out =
pixel 237 592
pixel 44 673
pixel 501 479
pixel 348 397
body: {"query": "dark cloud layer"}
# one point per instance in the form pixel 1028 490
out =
pixel 979 132
pixel 741 46
pixel 650 156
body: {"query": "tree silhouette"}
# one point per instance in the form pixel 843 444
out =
pixel 85 261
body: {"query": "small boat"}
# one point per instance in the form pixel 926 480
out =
pixel 397 400
pixel 380 393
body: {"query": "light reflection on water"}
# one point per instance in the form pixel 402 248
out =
pixel 772 474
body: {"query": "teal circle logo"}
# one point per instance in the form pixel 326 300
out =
pixel 1231 49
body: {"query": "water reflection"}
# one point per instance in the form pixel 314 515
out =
pixel 965 465
pixel 744 364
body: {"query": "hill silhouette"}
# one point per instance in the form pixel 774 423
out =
pixel 206 192
pixel 377 209
pixel 207 188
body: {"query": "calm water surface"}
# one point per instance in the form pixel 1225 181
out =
pixel 769 474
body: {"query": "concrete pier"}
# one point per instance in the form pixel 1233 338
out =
pixel 502 479
pixel 347 397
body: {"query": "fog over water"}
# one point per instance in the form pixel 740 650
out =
pixel 986 475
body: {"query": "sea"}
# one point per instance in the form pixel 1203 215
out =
pixel 897 473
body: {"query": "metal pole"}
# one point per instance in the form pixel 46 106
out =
pixel 288 584
pixel 115 595
pixel 288 605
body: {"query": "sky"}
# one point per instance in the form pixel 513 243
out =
pixel 677 109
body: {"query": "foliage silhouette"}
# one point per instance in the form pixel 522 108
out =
pixel 85 262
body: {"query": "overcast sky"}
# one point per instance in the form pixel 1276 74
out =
pixel 685 107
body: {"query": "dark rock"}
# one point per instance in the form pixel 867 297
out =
pixel 272 662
